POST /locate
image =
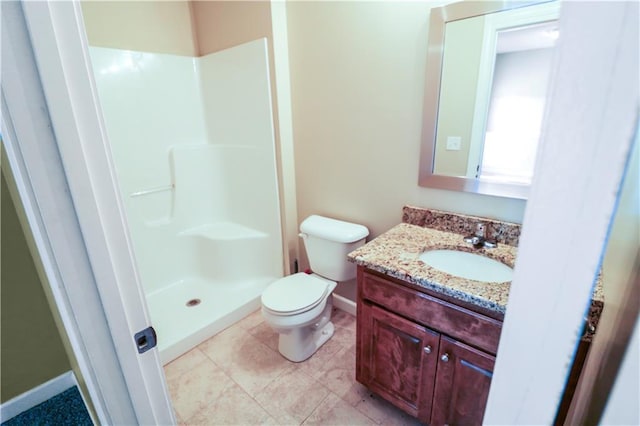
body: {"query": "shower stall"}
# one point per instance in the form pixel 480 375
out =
pixel 192 141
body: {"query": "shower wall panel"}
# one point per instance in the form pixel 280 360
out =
pixel 197 133
pixel 236 95
pixel 150 103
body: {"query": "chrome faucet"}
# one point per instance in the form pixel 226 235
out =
pixel 479 239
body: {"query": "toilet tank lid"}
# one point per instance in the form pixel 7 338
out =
pixel 333 229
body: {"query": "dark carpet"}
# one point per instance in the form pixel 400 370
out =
pixel 66 408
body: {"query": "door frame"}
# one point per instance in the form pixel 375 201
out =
pixel 63 166
pixel 582 175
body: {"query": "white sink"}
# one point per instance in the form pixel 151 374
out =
pixel 467 265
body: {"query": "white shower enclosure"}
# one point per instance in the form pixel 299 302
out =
pixel 193 146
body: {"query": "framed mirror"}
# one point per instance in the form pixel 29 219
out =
pixel 488 66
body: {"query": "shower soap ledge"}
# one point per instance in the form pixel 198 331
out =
pixel 223 231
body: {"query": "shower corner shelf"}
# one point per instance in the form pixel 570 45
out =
pixel 223 231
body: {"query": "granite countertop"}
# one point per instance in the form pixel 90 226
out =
pixel 395 253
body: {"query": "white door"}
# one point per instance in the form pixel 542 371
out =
pixel 89 246
pixel 589 126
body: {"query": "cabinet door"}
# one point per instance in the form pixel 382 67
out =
pixel 398 359
pixel 462 384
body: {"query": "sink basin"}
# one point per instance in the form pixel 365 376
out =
pixel 467 265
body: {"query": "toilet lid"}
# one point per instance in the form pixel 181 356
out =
pixel 293 294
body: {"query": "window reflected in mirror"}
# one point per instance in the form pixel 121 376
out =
pixel 516 106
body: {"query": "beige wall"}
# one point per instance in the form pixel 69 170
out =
pixel 357 76
pixel 459 87
pixel 621 292
pixel 149 26
pixel 223 24
pixel 32 349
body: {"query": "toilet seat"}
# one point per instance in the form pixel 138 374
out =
pixel 294 294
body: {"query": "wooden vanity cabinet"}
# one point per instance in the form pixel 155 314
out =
pixel 462 384
pixel 397 359
pixel 429 357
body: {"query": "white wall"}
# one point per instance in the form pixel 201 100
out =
pixel 357 75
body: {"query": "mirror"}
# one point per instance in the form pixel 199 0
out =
pixel 488 67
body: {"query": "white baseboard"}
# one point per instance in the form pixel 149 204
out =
pixel 37 395
pixel 344 304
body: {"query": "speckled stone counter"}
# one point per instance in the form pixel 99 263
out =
pixel 395 253
pixel 502 232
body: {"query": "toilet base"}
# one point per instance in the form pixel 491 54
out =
pixel 299 344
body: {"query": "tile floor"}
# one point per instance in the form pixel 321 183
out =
pixel 238 378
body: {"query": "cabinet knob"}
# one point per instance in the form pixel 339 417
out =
pixel 427 349
pixel 445 358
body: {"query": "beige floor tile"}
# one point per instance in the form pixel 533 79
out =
pixel 184 363
pixel 335 411
pixel 378 409
pixel 250 321
pixel 248 361
pixel 265 334
pixel 283 419
pixel 232 407
pixel 238 378
pixel 355 394
pixel 318 361
pixel 346 336
pixel 339 372
pixel 342 319
pixel 196 388
pixel 179 420
pixel 224 346
pixel 292 397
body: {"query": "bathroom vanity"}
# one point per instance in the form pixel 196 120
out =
pixel 427 340
pixel 432 358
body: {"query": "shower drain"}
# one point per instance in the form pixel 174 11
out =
pixel 193 302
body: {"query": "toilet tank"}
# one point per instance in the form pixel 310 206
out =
pixel 328 241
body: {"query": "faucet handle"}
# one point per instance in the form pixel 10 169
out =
pixel 480 229
pixel 490 244
pixel 474 240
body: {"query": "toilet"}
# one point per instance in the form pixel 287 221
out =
pixel 298 306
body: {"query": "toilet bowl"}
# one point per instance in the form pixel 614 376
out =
pixel 298 307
